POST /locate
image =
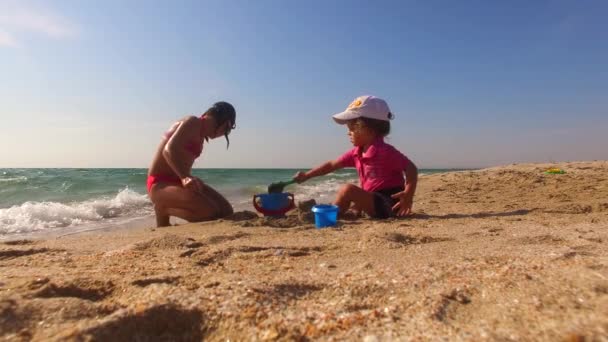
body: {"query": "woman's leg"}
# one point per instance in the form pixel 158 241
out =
pixel 224 206
pixel 173 200
pixel 162 218
pixel 362 200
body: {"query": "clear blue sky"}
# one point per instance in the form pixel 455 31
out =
pixel 472 83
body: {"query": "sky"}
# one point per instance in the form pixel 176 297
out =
pixel 471 83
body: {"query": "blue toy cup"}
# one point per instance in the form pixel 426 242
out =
pixel 326 215
pixel 274 204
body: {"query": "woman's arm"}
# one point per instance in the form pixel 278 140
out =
pixel 175 152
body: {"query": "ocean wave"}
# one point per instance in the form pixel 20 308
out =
pixel 322 192
pixel 19 179
pixel 36 216
pixel 252 190
pixel 343 175
pixel 65 186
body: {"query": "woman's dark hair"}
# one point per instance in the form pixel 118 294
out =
pixel 380 127
pixel 223 112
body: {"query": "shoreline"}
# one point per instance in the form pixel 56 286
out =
pixel 41 210
pixel 501 253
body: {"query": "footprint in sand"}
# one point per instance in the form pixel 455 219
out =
pixel 592 239
pixel 572 254
pixel 494 231
pixel 583 250
pixel 168 241
pixel 286 291
pixel 219 256
pixel 160 280
pixel 168 322
pixel 15 253
pixel 570 209
pixel 165 242
pixel 83 288
pixel 223 238
pixel 446 307
pixel 18 242
pixel 193 246
pixel 19 317
pixel 402 240
pixel 601 207
pixel 539 239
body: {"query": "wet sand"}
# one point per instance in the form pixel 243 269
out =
pixel 506 253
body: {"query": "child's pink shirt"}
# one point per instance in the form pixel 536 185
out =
pixel 380 167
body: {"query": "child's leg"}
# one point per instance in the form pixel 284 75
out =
pixel 361 199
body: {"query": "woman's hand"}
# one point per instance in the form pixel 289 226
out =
pixel 193 183
pixel 404 207
pixel 300 177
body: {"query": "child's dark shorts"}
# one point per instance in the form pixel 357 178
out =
pixel 383 202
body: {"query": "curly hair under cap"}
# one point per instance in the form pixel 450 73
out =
pixel 381 127
pixel 223 112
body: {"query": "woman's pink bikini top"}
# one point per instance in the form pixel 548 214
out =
pixel 194 147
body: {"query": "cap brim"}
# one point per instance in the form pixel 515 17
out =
pixel 346 116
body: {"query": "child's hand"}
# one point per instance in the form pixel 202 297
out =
pixel 300 177
pixel 404 207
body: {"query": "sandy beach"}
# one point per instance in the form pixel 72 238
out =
pixel 505 253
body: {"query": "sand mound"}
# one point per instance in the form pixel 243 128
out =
pixel 167 241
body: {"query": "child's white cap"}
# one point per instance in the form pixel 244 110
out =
pixel 365 106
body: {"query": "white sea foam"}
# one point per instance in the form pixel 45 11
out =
pixel 19 179
pixel 37 216
pixel 322 192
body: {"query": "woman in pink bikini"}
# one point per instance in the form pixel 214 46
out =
pixel 171 187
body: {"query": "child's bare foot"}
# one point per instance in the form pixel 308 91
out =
pixel 350 215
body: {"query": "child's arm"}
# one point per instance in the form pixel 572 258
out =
pixel 321 170
pixel 406 197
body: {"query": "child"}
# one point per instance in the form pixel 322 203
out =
pixel 380 166
pixel 171 187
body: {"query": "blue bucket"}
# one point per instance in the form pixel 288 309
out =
pixel 274 204
pixel 326 215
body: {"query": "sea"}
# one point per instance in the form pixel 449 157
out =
pixel 35 202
